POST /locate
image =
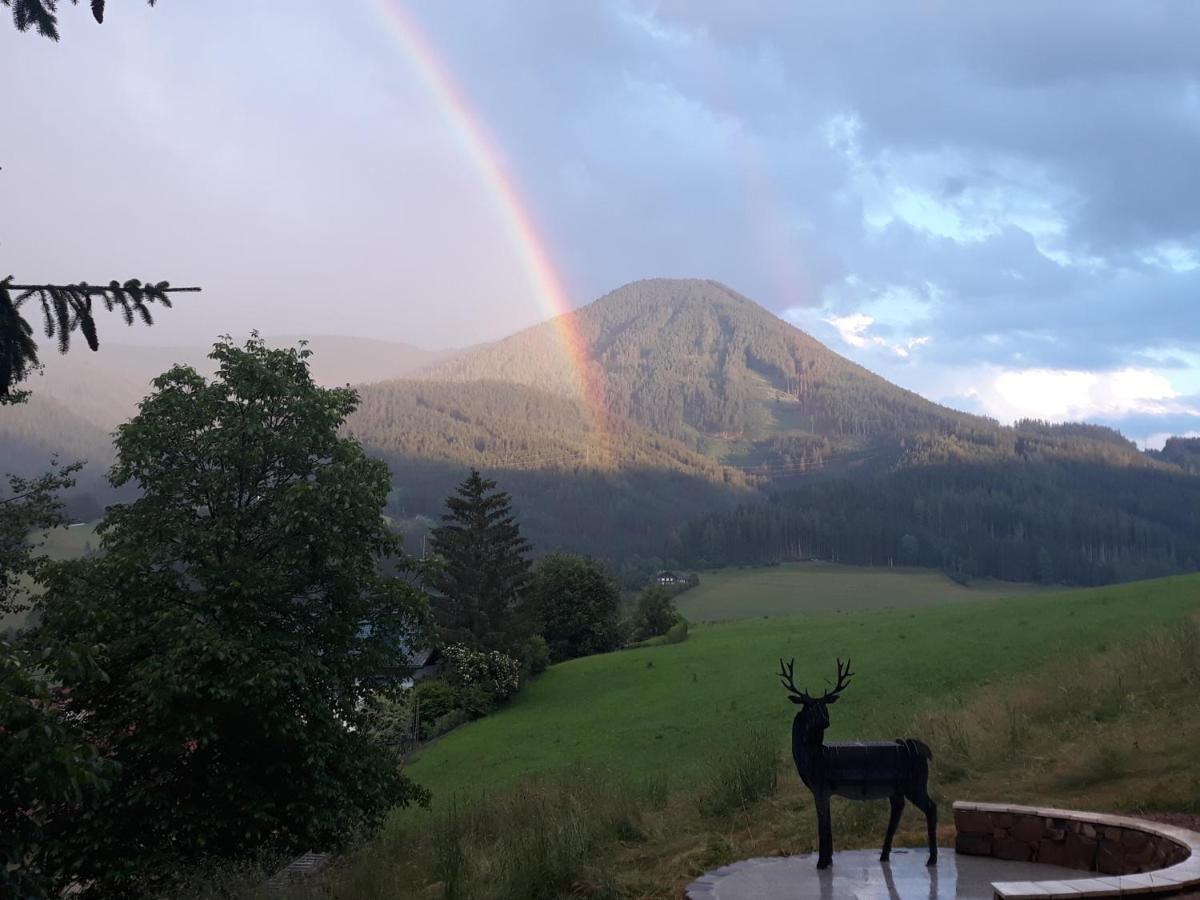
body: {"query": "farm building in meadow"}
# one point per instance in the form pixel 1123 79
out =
pixel 666 578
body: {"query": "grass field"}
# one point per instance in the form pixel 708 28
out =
pixel 600 780
pixel 668 708
pixel 800 588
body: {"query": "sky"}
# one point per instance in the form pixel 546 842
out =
pixel 996 205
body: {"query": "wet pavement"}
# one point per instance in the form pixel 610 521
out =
pixel 859 875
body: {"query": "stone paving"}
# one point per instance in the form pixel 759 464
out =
pixel 859 875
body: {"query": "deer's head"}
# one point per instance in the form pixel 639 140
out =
pixel 813 717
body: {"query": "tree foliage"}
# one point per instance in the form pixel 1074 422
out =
pixel 32 505
pixel 48 765
pixel 485 566
pixel 1041 519
pixel 241 611
pixel 42 15
pixel 575 604
pixel 655 613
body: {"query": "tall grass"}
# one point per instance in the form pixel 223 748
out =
pixel 741 774
pixel 1000 726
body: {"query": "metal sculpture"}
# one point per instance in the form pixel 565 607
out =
pixel 856 770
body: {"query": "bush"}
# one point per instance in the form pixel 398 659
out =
pixel 434 698
pixel 535 655
pixel 495 672
pixel 746 772
pixel 678 632
pixel 655 613
pixel 475 700
pixel 449 722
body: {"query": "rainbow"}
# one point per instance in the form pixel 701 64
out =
pixel 518 221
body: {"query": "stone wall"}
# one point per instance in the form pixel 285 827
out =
pixel 1085 841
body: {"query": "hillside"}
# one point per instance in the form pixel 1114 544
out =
pixel 1084 700
pixel 621 492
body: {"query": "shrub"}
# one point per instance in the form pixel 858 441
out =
pixel 655 613
pixel 449 722
pixel 535 655
pixel 475 701
pixel 496 672
pixel 434 698
pixel 746 772
pixel 678 632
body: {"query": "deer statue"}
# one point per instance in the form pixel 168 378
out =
pixel 857 770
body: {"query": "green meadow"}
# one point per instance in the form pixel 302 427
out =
pixel 792 589
pixel 666 710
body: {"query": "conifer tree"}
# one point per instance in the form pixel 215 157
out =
pixel 486 566
pixel 43 14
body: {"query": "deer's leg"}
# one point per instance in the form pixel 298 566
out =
pixel 824 833
pixel 925 803
pixel 897 808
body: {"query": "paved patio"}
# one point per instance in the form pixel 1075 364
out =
pixel 859 875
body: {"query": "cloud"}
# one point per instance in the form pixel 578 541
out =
pixel 853 330
pixel 1061 395
pixel 1004 188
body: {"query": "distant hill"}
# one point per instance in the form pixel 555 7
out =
pixel 105 387
pixel 80 398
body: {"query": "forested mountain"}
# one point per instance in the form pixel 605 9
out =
pixel 1183 452
pixel 611 495
pixel 701 363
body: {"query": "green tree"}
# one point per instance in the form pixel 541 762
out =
pixel 655 613
pixel 575 603
pixel 32 506
pixel 48 766
pixel 50 770
pixel 486 566
pixel 241 611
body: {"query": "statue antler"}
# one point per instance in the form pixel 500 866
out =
pixel 788 680
pixel 843 681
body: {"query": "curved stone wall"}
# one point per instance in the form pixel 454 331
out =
pixel 1132 856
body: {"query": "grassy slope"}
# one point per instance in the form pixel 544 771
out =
pixel 802 588
pixel 668 708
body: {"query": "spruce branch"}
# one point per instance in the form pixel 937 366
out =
pixel 43 14
pixel 65 308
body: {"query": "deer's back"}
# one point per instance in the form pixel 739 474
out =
pixel 865 770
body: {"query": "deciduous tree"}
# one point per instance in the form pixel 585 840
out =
pixel 575 604
pixel 241 611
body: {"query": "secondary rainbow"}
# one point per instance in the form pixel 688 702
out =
pixel 488 163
